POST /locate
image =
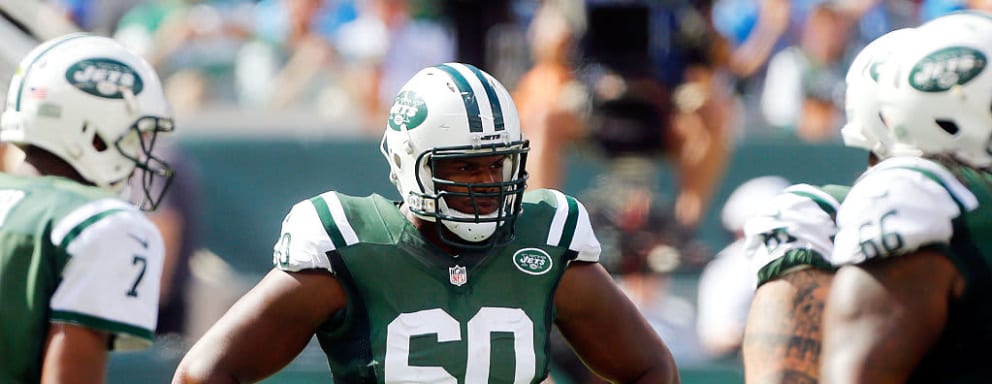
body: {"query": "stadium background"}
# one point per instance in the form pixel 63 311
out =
pixel 254 164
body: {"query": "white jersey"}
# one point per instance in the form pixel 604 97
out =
pixel 116 256
pixel 794 231
pixel 898 206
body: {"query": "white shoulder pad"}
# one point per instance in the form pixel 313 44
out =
pixel 304 241
pixel 583 240
pixel 898 206
pixel 801 217
pixel 111 282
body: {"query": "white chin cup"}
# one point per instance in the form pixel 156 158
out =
pixel 471 232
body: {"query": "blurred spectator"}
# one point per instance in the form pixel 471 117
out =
pixel 981 5
pixel 390 43
pixel 552 103
pixel 629 71
pixel 197 39
pixel 753 28
pixel 803 92
pixel 726 286
pixel 290 61
pixel 96 16
pixel 473 23
pixel 705 108
pixel 931 9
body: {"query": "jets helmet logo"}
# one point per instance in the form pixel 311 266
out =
pixel 408 111
pixel 945 68
pixel 104 78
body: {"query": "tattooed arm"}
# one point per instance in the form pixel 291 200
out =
pixel 783 332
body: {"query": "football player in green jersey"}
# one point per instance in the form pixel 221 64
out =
pixel 911 300
pixel 460 282
pixel 791 242
pixel 79 266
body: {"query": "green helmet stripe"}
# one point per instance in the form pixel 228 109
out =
pixel 493 97
pixel 27 70
pixel 573 219
pixel 324 213
pixel 468 97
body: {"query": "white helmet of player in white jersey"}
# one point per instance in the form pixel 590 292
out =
pixel 451 111
pixel 94 104
pixel 864 128
pixel 936 98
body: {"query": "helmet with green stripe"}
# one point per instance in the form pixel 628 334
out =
pixel 94 104
pixel 456 111
pixel 937 94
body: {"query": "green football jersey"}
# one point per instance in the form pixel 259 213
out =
pixel 73 254
pixel 794 230
pixel 416 314
pixel 906 204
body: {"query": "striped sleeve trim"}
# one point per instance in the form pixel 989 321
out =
pixel 564 222
pixel 78 220
pixel 824 200
pixel 793 259
pixel 145 335
pixel 335 222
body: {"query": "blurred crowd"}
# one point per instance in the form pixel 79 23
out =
pixel 774 65
pixel 641 83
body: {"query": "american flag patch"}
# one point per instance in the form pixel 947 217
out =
pixel 38 92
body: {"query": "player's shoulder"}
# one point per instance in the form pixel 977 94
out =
pixel 793 231
pixel 798 204
pixel 905 179
pixel 344 219
pixel 898 206
pixel 52 191
pixel 334 221
pixel 553 218
pixel 550 207
pixel 69 208
pixel 545 200
pixel 105 217
pixel 826 198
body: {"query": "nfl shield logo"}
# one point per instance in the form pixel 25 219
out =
pixel 457 275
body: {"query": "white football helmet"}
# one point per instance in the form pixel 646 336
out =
pixel 865 128
pixel 936 98
pixel 450 111
pixel 94 104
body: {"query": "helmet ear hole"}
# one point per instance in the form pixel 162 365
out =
pixel 98 144
pixel 948 126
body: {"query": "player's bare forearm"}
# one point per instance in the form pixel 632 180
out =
pixel 264 330
pixel 783 333
pixel 74 355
